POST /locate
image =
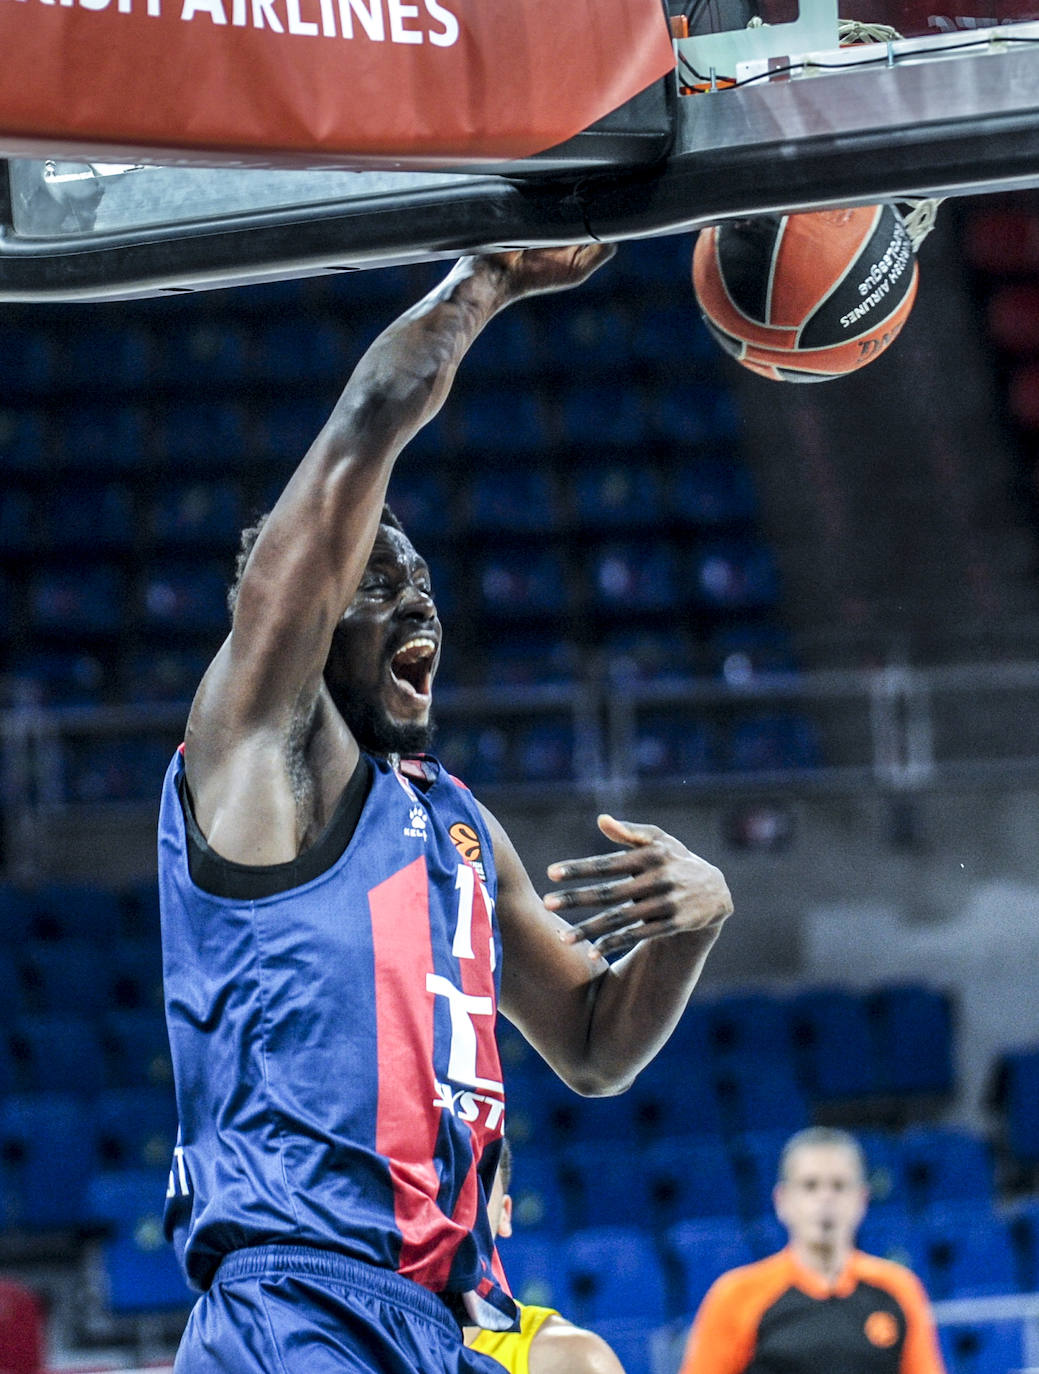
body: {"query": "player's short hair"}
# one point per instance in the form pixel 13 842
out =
pixel 505 1164
pixel 249 536
pixel 829 1136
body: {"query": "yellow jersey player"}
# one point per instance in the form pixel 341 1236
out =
pixel 546 1342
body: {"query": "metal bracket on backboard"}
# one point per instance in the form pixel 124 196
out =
pixel 712 54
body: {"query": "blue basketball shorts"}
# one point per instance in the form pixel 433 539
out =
pixel 278 1309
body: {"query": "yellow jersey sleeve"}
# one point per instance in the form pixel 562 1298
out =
pixel 512 1348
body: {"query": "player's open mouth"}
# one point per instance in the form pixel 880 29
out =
pixel 411 667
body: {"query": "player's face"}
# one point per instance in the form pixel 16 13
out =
pixel 386 650
pixel 822 1199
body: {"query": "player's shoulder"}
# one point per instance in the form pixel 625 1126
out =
pixel 560 1347
pixel 749 1285
pixel 888 1274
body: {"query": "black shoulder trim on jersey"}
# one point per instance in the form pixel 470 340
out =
pixel 222 877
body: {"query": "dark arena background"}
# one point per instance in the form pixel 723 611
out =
pixel 797 626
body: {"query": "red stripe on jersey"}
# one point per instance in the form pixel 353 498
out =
pixel 406 1119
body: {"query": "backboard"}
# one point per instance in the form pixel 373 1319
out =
pixel 772 118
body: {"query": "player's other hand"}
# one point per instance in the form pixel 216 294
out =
pixel 652 887
pixel 531 271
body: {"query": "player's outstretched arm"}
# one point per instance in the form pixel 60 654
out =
pixel 264 686
pixel 598 1023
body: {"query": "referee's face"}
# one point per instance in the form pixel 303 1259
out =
pixel 822 1197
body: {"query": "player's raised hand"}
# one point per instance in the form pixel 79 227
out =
pixel 651 888
pixel 531 271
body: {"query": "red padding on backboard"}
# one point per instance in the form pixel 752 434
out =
pixel 301 82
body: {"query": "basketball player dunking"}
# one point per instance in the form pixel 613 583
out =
pixel 340 918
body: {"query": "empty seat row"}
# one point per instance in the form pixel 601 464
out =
pixel 66 1053
pixel 691 1176
pixel 780 1053
pixel 79 975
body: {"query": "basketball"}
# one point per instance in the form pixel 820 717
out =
pixel 804 298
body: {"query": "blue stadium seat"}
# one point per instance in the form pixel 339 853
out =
pixel 1023 1221
pixel 976 1348
pixel 62 910
pixel 601 417
pixel 630 1340
pixel 497 422
pixel 61 677
pixel 703 1250
pixel 522 582
pixel 139 1268
pixel 202 351
pixel 611 1269
pixel 135 1127
pixel 537 1198
pixel 81 600
pixel 893 1234
pixel 834 1042
pixel 689 1176
pixel 660 262
pixel 755 1156
pixel 599 1184
pixel 299 349
pixel 46 1158
pixel 750 1024
pixel 647 655
pixel 885 1170
pixel 130 768
pixel 138 1050
pixel 101 439
pixel 421 502
pixel 531 660
pixel 19 521
pixel 533 1264
pixel 915 1041
pixel 478 754
pixel 111 526
pixel 967 1255
pixel 22 440
pixel 206 435
pixel 713 492
pixel 672 744
pixel 675 1095
pixel 186 598
pixel 11 1003
pixel 516 499
pixel 503 353
pixel 590 335
pixel 1018 1098
pixel 196 513
pixel 16 915
pixel 634 575
pixel 134 974
pixel 544 751
pixel 734 575
pixel 30 361
pixel 163 674
pixel 284 430
pixel 57 1052
pixel 65 976
pixel 597 1120
pixel 754 1094
pixel 945 1165
pixel 106 356
pixel 741 653
pixel 624 492
pixel 773 743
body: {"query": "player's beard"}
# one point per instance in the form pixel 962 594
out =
pixel 377 734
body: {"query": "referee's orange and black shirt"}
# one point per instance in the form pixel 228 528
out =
pixel 777 1317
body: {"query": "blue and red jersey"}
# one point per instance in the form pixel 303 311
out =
pixel 335 1063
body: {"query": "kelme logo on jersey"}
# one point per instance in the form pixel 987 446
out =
pixel 417 822
pixel 467 842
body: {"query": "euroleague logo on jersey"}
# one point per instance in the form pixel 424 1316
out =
pixel 881 1329
pixel 467 842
